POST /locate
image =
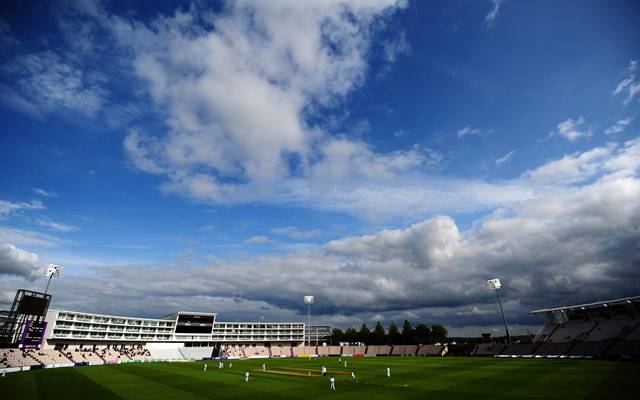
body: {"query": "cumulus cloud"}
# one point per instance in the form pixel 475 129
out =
pixel 619 126
pixel 573 129
pixel 575 242
pixel 260 239
pixel 18 262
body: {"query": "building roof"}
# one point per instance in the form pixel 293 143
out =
pixel 597 304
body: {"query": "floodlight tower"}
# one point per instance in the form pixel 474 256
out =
pixel 308 300
pixel 495 284
pixel 53 271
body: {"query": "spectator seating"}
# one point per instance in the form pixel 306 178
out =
pixel 196 353
pixel 571 331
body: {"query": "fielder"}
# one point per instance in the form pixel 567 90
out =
pixel 388 372
pixel 246 376
pixel 205 368
pixel 324 371
pixel 332 384
pixel 353 376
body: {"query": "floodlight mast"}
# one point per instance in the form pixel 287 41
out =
pixel 308 300
pixel 53 271
pixel 495 284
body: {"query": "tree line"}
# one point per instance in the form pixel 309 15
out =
pixel 421 334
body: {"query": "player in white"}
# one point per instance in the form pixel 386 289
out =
pixel 264 366
pixel 205 368
pixel 332 384
pixel 230 365
pixel 353 376
pixel 388 372
pixel 324 371
pixel 246 376
pixel 345 363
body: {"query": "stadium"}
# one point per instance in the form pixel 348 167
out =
pixel 43 345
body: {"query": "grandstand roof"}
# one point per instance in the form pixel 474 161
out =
pixel 598 304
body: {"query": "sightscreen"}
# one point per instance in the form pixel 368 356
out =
pixel 194 324
pixel 31 305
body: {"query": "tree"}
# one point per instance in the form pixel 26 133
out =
pixel 336 336
pixel 379 335
pixel 438 333
pixel 350 335
pixel 394 333
pixel 423 334
pixel 407 332
pixel 364 335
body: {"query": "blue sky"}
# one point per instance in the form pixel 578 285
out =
pixel 386 156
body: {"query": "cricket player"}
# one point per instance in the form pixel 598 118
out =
pixel 388 372
pixel 332 384
pixel 205 368
pixel 264 366
pixel 220 365
pixel 230 365
pixel 324 371
pixel 353 376
pixel 345 363
pixel 246 376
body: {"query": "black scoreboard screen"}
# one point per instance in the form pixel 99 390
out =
pixel 31 305
pixel 194 323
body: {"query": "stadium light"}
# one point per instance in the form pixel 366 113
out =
pixel 53 271
pixel 495 284
pixel 308 300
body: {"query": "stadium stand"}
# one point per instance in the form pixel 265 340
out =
pixel 488 349
pixel 404 350
pixel 277 351
pixel 571 331
pixel 323 350
pixel 256 352
pixel 335 350
pixel 378 350
pixel 432 350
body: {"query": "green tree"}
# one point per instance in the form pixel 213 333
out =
pixel 438 333
pixel 379 335
pixel 350 335
pixel 407 332
pixel 364 335
pixel 336 336
pixel 423 334
pixel 394 334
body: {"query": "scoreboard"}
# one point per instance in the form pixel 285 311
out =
pixel 33 334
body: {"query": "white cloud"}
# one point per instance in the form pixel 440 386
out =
pixel 619 126
pixel 492 15
pixel 296 233
pixel 468 131
pixel 25 237
pixel 8 207
pixel 628 84
pixel 45 83
pixel 44 193
pixel 15 261
pixel 259 240
pixel 506 158
pixel 570 244
pixel 573 130
pixel 57 226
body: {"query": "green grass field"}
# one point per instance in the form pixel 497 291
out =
pixel 412 378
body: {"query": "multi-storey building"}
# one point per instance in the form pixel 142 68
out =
pixel 71 327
